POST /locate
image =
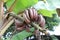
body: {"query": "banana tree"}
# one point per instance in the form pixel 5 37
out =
pixel 12 6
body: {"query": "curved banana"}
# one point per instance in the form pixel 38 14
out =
pixel 26 19
pixel 31 13
pixel 42 21
pixel 27 14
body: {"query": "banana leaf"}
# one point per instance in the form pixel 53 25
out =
pixel 47 13
pixel 20 5
pixel 22 35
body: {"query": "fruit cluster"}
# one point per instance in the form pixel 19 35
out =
pixel 30 15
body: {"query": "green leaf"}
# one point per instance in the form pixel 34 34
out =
pixel 21 5
pixel 5 0
pixel 22 35
pixel 9 3
pixel 47 13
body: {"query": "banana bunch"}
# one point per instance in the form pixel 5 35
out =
pixel 29 16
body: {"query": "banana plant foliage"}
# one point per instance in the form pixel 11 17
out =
pixel 20 5
pixel 22 35
pixel 47 13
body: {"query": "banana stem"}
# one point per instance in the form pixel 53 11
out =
pixel 39 28
pixel 17 17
